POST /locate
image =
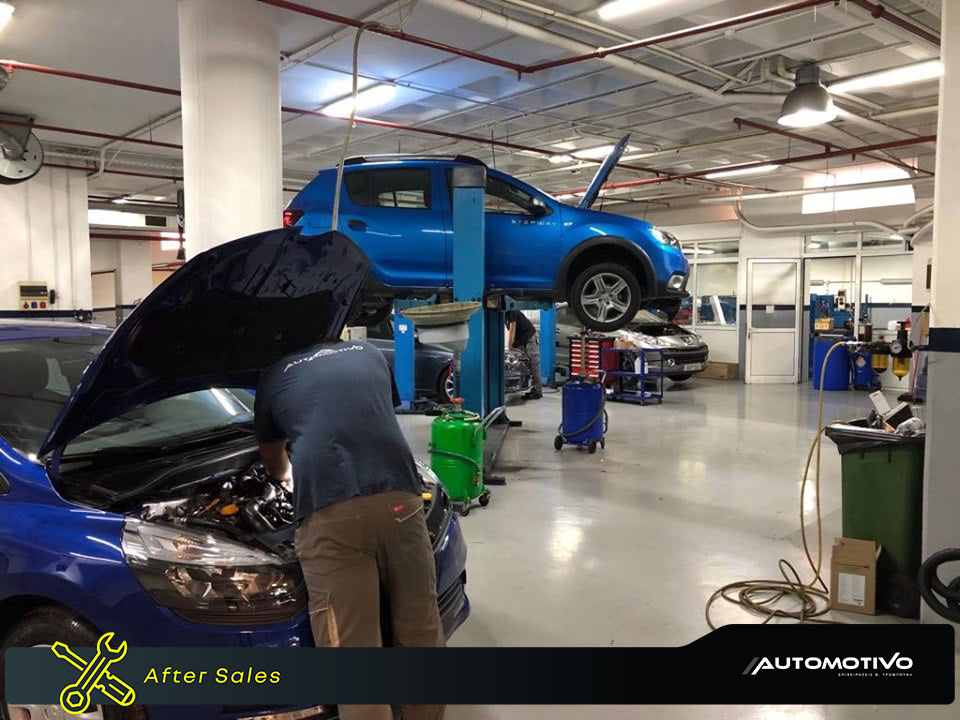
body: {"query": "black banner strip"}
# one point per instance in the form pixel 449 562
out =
pixel 944 339
pixel 784 664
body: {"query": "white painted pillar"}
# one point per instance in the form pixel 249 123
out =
pixel 941 489
pixel 232 155
pixel 134 273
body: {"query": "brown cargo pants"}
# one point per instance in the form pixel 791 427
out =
pixel 348 552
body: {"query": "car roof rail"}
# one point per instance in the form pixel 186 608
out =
pixel 361 159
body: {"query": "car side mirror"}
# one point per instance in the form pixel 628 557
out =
pixel 4 485
pixel 538 208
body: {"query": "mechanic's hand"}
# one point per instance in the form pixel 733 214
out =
pixel 287 479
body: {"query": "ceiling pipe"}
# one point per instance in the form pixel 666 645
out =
pixel 558 16
pixel 908 113
pixel 760 163
pixel 813 227
pixel 813 191
pixel 130 173
pixel 92 133
pixel 918 214
pixel 922 231
pixel 741 123
pixel 533 32
pixel 911 30
pixel 138 237
pixel 600 53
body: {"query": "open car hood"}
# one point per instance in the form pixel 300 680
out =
pixel 603 173
pixel 219 321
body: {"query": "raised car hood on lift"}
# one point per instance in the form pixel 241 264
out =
pixel 219 321
pixel 603 173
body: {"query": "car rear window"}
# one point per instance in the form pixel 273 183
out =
pixel 407 188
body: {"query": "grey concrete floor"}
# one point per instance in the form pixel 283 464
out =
pixel 625 546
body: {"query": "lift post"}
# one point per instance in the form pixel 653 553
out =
pixel 469 283
pixel 548 345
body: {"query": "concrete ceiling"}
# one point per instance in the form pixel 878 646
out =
pixel 570 107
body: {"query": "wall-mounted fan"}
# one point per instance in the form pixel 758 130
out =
pixel 22 154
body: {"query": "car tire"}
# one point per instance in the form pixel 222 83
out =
pixel 43 627
pixel 609 283
pixel 681 377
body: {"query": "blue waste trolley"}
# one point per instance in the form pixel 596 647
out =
pixel 584 421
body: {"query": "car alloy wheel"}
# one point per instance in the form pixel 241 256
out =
pixel 605 297
pixel 449 385
pixel 49 712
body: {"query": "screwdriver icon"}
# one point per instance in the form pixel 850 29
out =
pixel 75 698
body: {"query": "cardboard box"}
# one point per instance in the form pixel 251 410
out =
pixel 720 371
pixel 853 575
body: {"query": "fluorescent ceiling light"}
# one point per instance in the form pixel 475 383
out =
pixel 619 8
pixel 836 199
pixel 905 75
pixel 169 245
pixel 705 251
pixel 597 153
pixel 895 236
pixel 756 170
pixel 366 99
pixel 560 159
pixel 6 12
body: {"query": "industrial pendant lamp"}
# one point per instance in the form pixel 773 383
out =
pixel 808 103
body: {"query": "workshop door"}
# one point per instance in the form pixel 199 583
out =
pixel 773 321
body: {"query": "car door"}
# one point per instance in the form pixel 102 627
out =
pixel 523 235
pixel 393 214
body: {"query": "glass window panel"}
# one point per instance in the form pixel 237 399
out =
pixel 882 240
pixel 773 300
pixel 886 288
pixel 719 249
pixel 717 294
pixel 831 242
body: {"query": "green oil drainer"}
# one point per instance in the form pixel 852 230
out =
pixel 456 454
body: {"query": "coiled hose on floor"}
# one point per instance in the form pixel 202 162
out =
pixel 944 600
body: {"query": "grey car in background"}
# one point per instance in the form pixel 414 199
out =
pixel 684 352
pixel 434 365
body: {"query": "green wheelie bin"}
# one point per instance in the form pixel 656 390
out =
pixel 882 498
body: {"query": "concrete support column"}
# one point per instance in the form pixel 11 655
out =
pixel 133 276
pixel 230 80
pixel 941 489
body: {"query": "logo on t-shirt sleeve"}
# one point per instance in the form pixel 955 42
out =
pixel 323 352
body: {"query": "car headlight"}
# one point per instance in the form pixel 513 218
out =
pixel 210 579
pixel 427 474
pixel 662 236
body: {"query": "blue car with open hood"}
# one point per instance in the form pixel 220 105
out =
pixel 399 210
pixel 132 498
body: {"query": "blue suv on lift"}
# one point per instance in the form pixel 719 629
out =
pixel 132 498
pixel 398 209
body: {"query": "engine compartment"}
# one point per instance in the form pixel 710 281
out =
pixel 247 503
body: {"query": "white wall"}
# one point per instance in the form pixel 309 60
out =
pixel 46 238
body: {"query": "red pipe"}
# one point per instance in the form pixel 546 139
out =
pixel 880 12
pixel 398 34
pixel 760 163
pixel 91 133
pixel 16 65
pixel 678 34
pixel 826 145
pixel 116 172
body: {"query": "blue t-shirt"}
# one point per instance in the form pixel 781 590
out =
pixel 334 402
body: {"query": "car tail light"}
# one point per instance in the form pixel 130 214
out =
pixel 290 217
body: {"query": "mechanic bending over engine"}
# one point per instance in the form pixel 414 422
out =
pixel 523 336
pixel 358 501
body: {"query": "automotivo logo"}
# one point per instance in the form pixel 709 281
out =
pixel 94 675
pixel 863 666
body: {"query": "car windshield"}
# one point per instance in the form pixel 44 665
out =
pixel 38 375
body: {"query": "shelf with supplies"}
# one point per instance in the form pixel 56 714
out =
pixel 632 366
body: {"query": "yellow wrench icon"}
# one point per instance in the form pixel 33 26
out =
pixel 75 697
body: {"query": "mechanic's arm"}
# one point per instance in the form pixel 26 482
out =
pixel 511 332
pixel 274 456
